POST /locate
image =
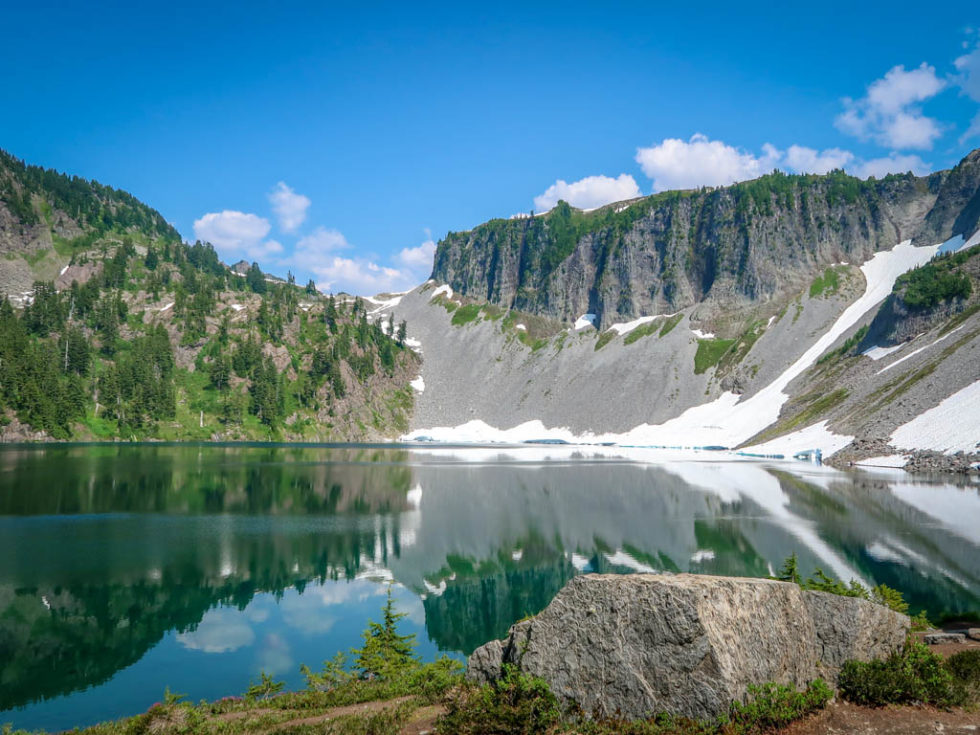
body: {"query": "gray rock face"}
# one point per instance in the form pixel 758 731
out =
pixel 935 639
pixel 724 247
pixel 686 644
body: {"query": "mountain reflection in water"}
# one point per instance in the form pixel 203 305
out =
pixel 127 568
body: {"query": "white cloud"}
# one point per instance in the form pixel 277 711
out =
pixel 588 193
pixel 679 164
pixel 317 254
pixel 801 159
pixel 889 112
pixel 702 162
pixel 323 240
pixel 419 258
pixel 236 234
pixel 360 276
pixel 893 163
pixel 289 206
pixel 221 630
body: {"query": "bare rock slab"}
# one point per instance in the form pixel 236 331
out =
pixel 935 639
pixel 687 644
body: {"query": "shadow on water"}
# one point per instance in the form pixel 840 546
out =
pixel 125 567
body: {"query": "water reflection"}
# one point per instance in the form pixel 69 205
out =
pixel 127 568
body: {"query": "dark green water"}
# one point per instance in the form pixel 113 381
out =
pixel 125 569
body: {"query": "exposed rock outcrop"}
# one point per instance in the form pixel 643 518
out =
pixel 724 247
pixel 686 644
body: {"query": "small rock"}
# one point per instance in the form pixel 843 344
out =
pixel 934 639
pixel 973 633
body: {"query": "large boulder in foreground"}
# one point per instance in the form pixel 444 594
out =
pixel 688 644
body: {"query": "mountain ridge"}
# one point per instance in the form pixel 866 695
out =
pixel 726 247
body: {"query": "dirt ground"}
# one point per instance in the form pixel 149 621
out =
pixel 844 718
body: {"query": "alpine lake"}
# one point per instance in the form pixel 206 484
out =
pixel 129 568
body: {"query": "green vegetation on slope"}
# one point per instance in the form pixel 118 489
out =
pixel 825 284
pixel 93 206
pixel 101 358
pixel 710 351
pixel 936 281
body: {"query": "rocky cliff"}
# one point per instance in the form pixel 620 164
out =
pixel 727 246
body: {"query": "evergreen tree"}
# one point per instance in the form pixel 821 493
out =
pixel 255 279
pixel 385 651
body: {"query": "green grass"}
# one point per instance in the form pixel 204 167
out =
pixel 816 404
pixel 710 351
pixel 466 314
pixel 743 345
pixel 849 344
pixel 670 324
pixel 825 285
pixel 605 338
pixel 644 330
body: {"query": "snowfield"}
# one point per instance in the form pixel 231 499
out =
pixel 952 426
pixel 622 328
pixel 730 420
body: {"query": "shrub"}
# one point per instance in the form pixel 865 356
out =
pixel 264 689
pixel 773 706
pixel 965 668
pixel 516 703
pixel 914 674
pixel 821 582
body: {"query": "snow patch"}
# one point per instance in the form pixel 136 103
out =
pixel 622 559
pixel 702 555
pixel 382 305
pixel 418 384
pixel 951 245
pixel 975 240
pixel 702 335
pixel 815 436
pixel 580 562
pixel 586 320
pixel 443 289
pixel 627 327
pixel 771 320
pixel 520 327
pixel 63 270
pixel 889 460
pixel 237 307
pixel 952 426
pixel 913 353
pixel 165 307
pixel 876 352
pixel 413 344
pixel 517 555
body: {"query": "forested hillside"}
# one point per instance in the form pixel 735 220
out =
pixel 143 336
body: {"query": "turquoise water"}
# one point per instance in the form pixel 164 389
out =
pixel 125 569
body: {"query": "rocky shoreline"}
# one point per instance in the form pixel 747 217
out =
pixel 917 461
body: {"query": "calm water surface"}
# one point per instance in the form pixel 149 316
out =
pixel 126 569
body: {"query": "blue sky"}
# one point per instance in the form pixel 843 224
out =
pixel 341 141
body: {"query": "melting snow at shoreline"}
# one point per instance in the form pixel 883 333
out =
pixel 728 420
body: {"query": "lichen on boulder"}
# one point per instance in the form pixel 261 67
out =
pixel 637 645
